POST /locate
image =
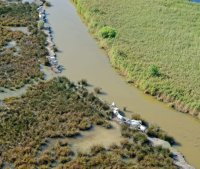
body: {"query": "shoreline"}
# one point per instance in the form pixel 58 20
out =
pixel 107 47
pixel 109 65
pixel 178 157
pixel 51 47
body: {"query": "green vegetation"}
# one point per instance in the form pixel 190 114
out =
pixel 83 82
pixel 156 46
pixel 97 90
pixel 107 32
pixel 155 131
pixel 17 14
pixel 57 110
pixel 54 109
pixel 29 48
pixel 47 4
pixel 40 24
pixel 125 156
pixel 154 71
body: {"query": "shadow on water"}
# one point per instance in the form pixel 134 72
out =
pixel 89 85
pixel 103 93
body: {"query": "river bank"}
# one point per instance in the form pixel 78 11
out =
pixel 65 115
pixel 105 90
pixel 163 87
pixel 178 158
pixel 82 58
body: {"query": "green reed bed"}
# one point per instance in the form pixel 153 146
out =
pixel 155 44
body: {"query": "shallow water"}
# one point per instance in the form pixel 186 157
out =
pixel 11 44
pixel 96 136
pixel 82 58
pixel 21 29
pixel 12 93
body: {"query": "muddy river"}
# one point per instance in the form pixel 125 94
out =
pixel 82 58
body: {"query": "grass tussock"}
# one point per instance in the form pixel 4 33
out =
pixel 155 131
pixel 107 32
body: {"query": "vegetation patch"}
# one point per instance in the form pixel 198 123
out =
pixel 97 90
pixel 154 71
pixel 155 131
pixel 58 109
pixel 14 72
pixel 55 109
pixel 107 32
pixel 156 46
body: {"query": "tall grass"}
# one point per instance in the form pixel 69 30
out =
pixel 163 33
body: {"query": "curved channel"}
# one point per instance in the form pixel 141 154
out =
pixel 82 58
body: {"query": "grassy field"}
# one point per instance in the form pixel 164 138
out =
pixel 155 44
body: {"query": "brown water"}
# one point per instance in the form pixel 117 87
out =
pixel 82 58
pixel 96 136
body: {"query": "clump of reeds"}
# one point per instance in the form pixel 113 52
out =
pixel 97 90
